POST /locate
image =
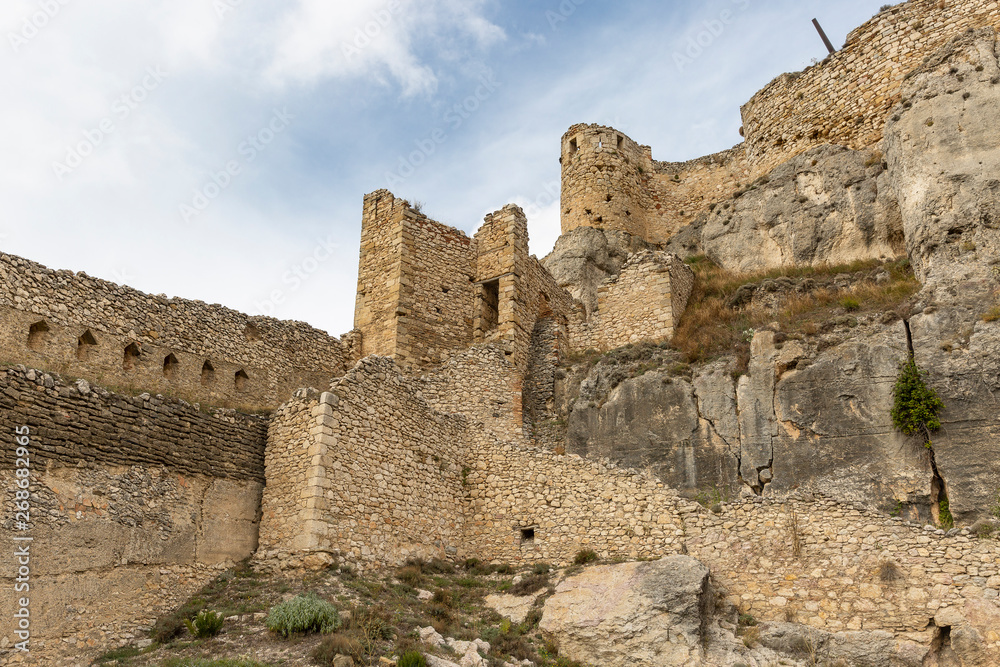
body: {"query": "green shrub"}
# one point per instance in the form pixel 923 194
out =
pixel 850 304
pixel 585 556
pixel 915 404
pixel 338 644
pixel 529 585
pixel 471 563
pixel 746 620
pixel 541 568
pixel 411 574
pixel 303 614
pixel 944 515
pixel 412 659
pixel 206 624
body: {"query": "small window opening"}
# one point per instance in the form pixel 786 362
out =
pixel 131 357
pixel 608 199
pixel 491 305
pixel 621 141
pixel 445 289
pixel 573 146
pixel 527 535
pixel 170 365
pixel 241 380
pixel 85 345
pixel 38 333
pixel 207 374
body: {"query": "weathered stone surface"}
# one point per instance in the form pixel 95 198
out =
pixel 514 607
pixel 585 258
pixel 941 146
pixel 829 205
pixel 653 422
pixel 835 432
pixel 633 614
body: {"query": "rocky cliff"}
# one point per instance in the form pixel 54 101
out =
pixel 812 412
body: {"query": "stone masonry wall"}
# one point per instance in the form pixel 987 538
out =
pixel 480 383
pixel 436 292
pixel 611 182
pixel 644 302
pixel 429 484
pixel 134 503
pixel 117 336
pixel 382 471
pixel 846 99
pixel 813 559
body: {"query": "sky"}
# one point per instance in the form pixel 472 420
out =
pixel 220 149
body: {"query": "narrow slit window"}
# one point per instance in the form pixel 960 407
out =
pixel 621 142
pixel 241 380
pixel 573 146
pixel 491 305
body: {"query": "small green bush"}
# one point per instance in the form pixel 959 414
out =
pixel 541 568
pixel 746 620
pixel 850 304
pixel 412 659
pixel 585 556
pixel 915 405
pixel 411 574
pixel 471 563
pixel 303 614
pixel 944 515
pixel 529 585
pixel 338 644
pixel 206 624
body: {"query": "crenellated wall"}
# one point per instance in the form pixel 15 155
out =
pixel 73 324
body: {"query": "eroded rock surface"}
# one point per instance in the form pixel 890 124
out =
pixel 634 614
pixel 829 205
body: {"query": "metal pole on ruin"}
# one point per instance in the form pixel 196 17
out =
pixel 826 40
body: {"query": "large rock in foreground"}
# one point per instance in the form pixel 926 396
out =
pixel 632 614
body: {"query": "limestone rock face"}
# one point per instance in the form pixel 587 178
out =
pixel 941 147
pixel 653 421
pixel 586 257
pixel 634 614
pixel 829 205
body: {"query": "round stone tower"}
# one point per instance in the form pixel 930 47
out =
pixel 604 177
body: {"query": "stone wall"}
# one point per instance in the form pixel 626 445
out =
pixel 423 483
pixel 374 474
pixel 480 383
pixel 846 99
pixel 117 336
pixel 611 182
pixel 644 302
pixel 427 291
pixel 135 502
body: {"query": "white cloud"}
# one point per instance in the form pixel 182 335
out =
pixel 320 39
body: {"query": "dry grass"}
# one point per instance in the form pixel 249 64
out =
pixel 711 327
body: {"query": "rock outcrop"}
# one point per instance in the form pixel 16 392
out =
pixel 941 148
pixel 829 205
pixel 635 614
pixel 586 257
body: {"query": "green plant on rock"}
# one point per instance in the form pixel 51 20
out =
pixel 915 405
pixel 944 515
pixel 412 659
pixel 206 624
pixel 303 614
pixel 585 556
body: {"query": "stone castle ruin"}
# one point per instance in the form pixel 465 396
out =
pixel 428 429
